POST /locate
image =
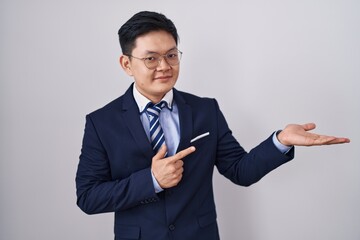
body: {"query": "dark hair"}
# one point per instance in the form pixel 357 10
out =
pixel 142 23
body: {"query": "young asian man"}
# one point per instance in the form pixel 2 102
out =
pixel 149 155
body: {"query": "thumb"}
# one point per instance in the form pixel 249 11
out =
pixel 309 126
pixel 161 153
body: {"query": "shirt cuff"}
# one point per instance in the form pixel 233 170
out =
pixel 156 184
pixel 282 148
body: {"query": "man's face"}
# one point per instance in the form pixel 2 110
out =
pixel 155 83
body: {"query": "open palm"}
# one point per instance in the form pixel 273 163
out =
pixel 299 135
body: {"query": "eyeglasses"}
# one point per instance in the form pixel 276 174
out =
pixel 153 60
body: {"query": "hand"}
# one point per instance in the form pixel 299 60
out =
pixel 298 135
pixel 168 171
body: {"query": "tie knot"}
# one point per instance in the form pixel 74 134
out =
pixel 155 109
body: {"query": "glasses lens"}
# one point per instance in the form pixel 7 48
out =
pixel 152 61
pixel 173 57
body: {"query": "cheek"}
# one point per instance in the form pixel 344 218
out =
pixel 142 72
pixel 139 70
pixel 143 78
pixel 176 72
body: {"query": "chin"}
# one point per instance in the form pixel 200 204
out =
pixel 169 84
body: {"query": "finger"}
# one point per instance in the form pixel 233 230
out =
pixel 338 141
pixel 179 164
pixel 309 126
pixel 161 153
pixel 184 153
pixel 175 181
pixel 179 172
pixel 323 140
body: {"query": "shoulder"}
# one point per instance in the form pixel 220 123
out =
pixel 192 99
pixel 116 106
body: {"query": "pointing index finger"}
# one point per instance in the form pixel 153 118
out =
pixel 184 153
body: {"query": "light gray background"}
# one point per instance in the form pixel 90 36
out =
pixel 268 63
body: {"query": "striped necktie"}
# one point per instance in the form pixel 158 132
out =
pixel 156 133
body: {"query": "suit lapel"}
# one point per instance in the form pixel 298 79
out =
pixel 185 119
pixel 131 118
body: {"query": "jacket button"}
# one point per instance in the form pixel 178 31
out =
pixel 172 227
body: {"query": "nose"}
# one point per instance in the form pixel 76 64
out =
pixel 163 65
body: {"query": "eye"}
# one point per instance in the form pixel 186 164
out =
pixel 151 59
pixel 172 55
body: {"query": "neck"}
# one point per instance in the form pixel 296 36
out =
pixel 153 99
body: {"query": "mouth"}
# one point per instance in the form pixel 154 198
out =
pixel 163 78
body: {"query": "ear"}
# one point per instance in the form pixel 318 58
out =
pixel 126 64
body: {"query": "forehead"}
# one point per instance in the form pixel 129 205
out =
pixel 155 41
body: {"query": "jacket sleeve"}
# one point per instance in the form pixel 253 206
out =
pixel 97 191
pixel 241 167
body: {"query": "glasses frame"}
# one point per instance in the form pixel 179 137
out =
pixel 161 57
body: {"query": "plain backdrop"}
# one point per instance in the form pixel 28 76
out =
pixel 268 63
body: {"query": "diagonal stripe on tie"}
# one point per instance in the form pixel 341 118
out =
pixel 156 133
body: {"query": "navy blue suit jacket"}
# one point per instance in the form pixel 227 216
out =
pixel 114 170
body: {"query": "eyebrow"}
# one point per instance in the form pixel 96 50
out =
pixel 151 52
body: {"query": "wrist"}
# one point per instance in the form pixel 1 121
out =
pixel 281 137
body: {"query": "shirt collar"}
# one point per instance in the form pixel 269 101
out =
pixel 142 101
